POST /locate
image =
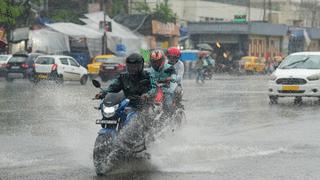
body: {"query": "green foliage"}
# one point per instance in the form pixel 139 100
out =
pixel 8 13
pixel 117 7
pixel 164 13
pixel 142 8
pixel 63 16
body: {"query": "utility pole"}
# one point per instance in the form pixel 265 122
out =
pixel 248 9
pixel 264 10
pixel 270 15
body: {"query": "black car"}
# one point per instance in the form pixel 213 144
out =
pixel 20 66
pixel 112 68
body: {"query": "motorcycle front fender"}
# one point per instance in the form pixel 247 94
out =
pixel 129 117
pixel 106 130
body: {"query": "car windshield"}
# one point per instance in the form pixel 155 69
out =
pixel 246 60
pixel 301 62
pixel 45 60
pixel 101 60
pixel 116 60
pixel 15 59
pixel 3 58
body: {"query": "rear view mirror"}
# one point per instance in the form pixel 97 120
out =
pixel 96 83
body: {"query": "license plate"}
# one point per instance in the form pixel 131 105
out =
pixel 15 67
pixel 109 67
pixel 99 121
pixel 43 76
pixel 292 88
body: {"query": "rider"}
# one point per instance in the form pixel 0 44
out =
pixel 173 57
pixel 128 82
pixel 164 72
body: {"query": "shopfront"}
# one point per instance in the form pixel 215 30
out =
pixel 164 35
pixel 239 39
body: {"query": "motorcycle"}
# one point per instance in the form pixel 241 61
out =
pixel 123 131
pixel 179 116
pixel 208 72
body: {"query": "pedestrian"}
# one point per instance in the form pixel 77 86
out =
pixel 199 68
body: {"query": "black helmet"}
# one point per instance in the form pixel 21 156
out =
pixel 135 63
pixel 157 59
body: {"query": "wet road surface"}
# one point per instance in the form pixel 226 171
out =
pixel 47 131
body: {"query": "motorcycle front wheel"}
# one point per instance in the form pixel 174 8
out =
pixel 101 150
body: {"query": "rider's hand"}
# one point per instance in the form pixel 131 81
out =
pixel 169 79
pixel 98 96
pixel 144 96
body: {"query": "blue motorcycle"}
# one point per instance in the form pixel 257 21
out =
pixel 122 132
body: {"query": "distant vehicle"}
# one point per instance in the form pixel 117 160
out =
pixel 20 65
pixel 297 76
pixel 59 68
pixel 112 68
pixel 93 68
pixel 3 64
pixel 273 64
pixel 251 64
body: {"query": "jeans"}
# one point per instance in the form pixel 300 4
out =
pixel 168 97
pixel 200 74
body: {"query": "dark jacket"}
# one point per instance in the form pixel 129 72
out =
pixel 131 88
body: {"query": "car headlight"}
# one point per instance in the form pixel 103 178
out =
pixel 314 77
pixel 272 77
pixel 110 111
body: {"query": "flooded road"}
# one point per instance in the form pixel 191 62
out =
pixel 47 131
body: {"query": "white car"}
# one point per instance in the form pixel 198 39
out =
pixel 59 68
pixel 4 58
pixel 297 76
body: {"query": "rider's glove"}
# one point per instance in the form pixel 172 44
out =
pixel 98 96
pixel 169 79
pixel 144 96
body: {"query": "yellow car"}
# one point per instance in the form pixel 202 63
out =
pixel 93 69
pixel 251 64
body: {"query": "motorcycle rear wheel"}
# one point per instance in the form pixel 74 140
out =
pixel 101 150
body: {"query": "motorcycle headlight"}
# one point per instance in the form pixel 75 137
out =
pixel 272 77
pixel 110 111
pixel 314 77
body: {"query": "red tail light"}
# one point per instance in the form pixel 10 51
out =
pixel 5 65
pixel 54 67
pixel 34 65
pixel 25 65
pixel 271 64
pixel 159 96
pixel 120 66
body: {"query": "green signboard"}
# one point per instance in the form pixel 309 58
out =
pixel 240 18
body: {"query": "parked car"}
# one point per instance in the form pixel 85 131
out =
pixel 59 68
pixel 251 64
pixel 297 76
pixel 20 65
pixel 93 68
pixel 3 64
pixel 112 68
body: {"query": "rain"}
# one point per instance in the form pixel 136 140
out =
pixel 249 115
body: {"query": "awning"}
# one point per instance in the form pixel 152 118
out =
pixel 20 34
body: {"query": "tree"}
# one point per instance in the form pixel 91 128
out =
pixel 162 12
pixel 63 16
pixel 9 13
pixel 115 8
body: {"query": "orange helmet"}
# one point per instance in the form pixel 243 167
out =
pixel 157 59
